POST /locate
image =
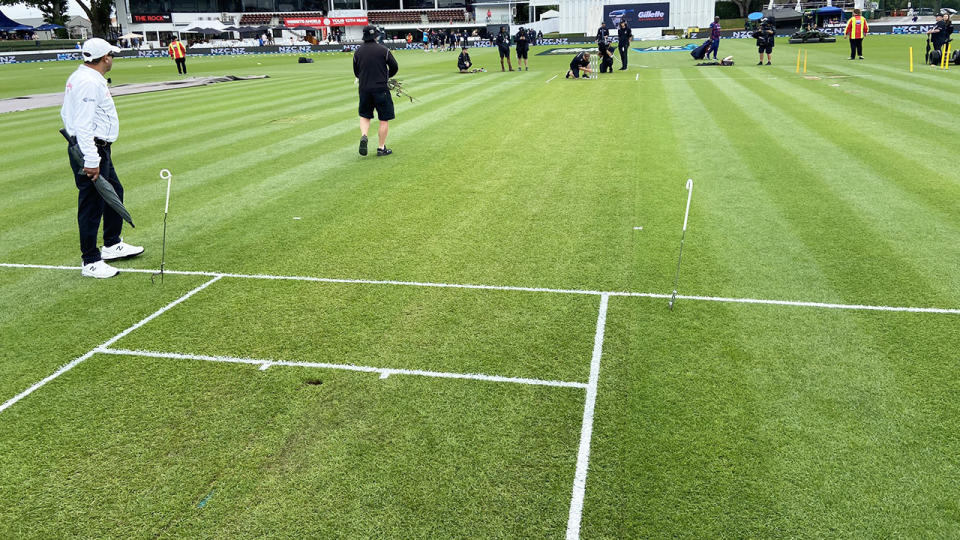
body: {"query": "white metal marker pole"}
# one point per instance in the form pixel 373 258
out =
pixel 686 214
pixel 165 175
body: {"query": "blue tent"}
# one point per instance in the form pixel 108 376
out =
pixel 48 26
pixel 9 25
pixel 829 12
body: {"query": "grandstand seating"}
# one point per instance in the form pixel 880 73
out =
pixel 413 16
pixel 250 19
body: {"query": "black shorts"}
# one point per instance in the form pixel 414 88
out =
pixel 504 52
pixel 575 68
pixel 766 48
pixel 379 100
pixel 522 52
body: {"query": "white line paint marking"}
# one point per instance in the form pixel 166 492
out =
pixel 107 343
pixel 383 372
pixel 551 78
pixel 637 78
pixel 638 228
pixel 265 366
pixel 825 305
pixel 586 430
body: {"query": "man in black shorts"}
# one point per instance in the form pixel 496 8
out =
pixel 503 43
pixel 373 65
pixel 765 35
pixel 580 62
pixel 523 47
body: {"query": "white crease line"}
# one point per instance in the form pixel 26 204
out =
pixel 827 305
pixel 586 429
pixel 384 372
pixel 552 78
pixel 68 367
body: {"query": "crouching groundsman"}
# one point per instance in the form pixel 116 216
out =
pixel 91 123
pixel 373 66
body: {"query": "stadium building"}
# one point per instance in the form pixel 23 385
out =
pixel 158 20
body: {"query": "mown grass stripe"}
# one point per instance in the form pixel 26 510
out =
pixel 830 228
pixel 222 171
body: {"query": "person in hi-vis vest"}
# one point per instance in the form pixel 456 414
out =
pixel 856 30
pixel 179 54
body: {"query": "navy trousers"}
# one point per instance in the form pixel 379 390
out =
pixel 91 207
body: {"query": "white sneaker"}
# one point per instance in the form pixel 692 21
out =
pixel 99 270
pixel 120 250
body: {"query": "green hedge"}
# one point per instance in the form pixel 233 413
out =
pixel 44 45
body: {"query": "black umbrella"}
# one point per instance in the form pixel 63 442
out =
pixel 304 28
pixel 103 187
pixel 110 197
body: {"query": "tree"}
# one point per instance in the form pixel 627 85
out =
pixel 54 11
pixel 98 11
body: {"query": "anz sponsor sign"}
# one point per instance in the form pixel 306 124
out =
pixel 667 48
pixel 567 50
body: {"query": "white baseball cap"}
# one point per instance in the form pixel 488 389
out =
pixel 94 48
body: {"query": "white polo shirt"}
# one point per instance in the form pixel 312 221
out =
pixel 88 112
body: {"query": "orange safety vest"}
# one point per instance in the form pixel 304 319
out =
pixel 857 27
pixel 177 50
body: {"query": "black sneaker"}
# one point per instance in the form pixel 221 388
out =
pixel 768 63
pixel 363 145
pixel 384 151
pixel 760 63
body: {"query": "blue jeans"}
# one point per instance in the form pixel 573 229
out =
pixel 714 45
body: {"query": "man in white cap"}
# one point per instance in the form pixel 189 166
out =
pixel 90 121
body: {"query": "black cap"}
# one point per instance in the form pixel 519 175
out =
pixel 370 33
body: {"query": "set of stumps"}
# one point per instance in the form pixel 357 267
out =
pixel 166 175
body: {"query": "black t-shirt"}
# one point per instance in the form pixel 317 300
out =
pixel 624 35
pixel 373 64
pixel 521 40
pixel 503 40
pixel 580 60
pixel 765 35
pixel 463 60
pixel 602 35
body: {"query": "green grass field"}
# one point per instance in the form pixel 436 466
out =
pixel 449 341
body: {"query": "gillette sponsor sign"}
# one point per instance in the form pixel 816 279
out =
pixel 655 15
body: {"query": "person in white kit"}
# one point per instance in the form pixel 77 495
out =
pixel 90 121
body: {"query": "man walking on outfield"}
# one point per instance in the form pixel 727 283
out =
pixel 857 29
pixel 373 66
pixel 715 36
pixel 624 37
pixel 179 54
pixel 90 122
